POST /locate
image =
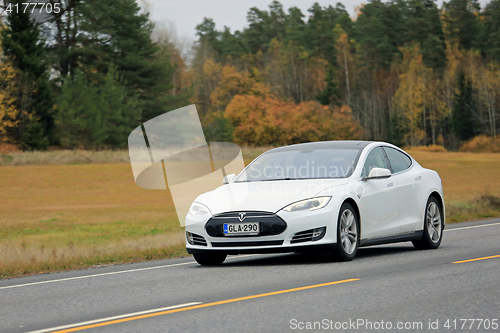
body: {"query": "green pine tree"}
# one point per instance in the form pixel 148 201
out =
pixel 115 33
pixel 462 24
pixel 425 28
pixel 491 30
pixel 464 105
pixel 331 94
pixel 95 116
pixel 23 44
pixel 119 110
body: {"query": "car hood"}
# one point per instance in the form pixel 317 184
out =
pixel 268 196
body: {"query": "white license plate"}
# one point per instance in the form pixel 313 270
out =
pixel 241 229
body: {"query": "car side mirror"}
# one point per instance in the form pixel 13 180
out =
pixel 378 173
pixel 229 178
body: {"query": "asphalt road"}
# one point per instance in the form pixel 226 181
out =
pixel 385 286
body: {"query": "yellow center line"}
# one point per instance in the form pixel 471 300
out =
pixel 74 329
pixel 476 259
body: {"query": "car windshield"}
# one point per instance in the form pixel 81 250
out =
pixel 301 164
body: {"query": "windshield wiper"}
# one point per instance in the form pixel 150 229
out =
pixel 272 180
pixel 277 179
pixel 266 180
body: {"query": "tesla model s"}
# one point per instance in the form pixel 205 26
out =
pixel 333 195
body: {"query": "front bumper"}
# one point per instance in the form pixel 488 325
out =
pixel 261 250
pixel 296 222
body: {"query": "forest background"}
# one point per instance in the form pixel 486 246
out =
pixel 403 71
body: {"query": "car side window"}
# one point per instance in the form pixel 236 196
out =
pixel 375 159
pixel 399 161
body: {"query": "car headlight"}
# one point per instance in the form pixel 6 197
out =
pixel 308 204
pixel 198 209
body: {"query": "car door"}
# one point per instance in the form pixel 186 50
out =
pixel 406 187
pixel 379 203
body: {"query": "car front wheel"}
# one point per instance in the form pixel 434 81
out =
pixel 347 234
pixel 210 259
pixel 433 226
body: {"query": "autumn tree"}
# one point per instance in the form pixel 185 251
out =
pixel 269 121
pixel 231 83
pixel 410 98
pixel 8 110
pixel 346 61
pixel 170 54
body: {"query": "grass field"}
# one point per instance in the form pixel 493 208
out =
pixel 56 217
pixel 471 182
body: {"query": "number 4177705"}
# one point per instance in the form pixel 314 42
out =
pixel 468 324
pixel 34 8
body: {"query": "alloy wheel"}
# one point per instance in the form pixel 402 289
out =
pixel 433 222
pixel 348 231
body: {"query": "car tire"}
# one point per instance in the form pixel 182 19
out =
pixel 210 259
pixel 433 226
pixel 347 234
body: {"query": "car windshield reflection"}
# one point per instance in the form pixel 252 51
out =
pixel 301 164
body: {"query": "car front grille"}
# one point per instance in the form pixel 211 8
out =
pixel 247 244
pixel 269 223
pixel 303 236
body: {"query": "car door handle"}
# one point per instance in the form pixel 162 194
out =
pixel 418 178
pixel 390 185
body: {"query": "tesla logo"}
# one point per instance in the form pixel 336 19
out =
pixel 242 216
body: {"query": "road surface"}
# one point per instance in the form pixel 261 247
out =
pixel 386 288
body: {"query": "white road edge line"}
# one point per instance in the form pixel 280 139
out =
pixel 110 273
pixel 474 226
pixel 184 263
pixel 90 322
pixel 93 275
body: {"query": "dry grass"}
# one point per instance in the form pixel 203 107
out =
pixel 470 180
pixel 64 157
pixel 250 153
pixel 11 156
pixel 20 257
pixel 56 217
pixel 89 213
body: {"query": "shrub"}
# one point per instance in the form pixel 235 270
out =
pixel 482 144
pixel 430 149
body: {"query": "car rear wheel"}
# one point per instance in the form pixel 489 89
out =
pixel 210 259
pixel 347 234
pixel 433 226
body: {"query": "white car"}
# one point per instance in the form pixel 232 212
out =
pixel 332 195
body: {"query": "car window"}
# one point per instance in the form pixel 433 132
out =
pixel 301 164
pixel 399 161
pixel 375 159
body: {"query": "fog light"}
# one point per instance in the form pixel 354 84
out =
pixel 318 233
pixel 189 237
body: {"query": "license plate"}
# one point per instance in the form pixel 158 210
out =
pixel 241 229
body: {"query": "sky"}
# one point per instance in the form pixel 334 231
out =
pixel 185 15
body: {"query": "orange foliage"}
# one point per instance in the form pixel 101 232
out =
pixel 234 83
pixel 482 144
pixel 268 121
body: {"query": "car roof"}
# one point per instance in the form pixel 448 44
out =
pixel 339 144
